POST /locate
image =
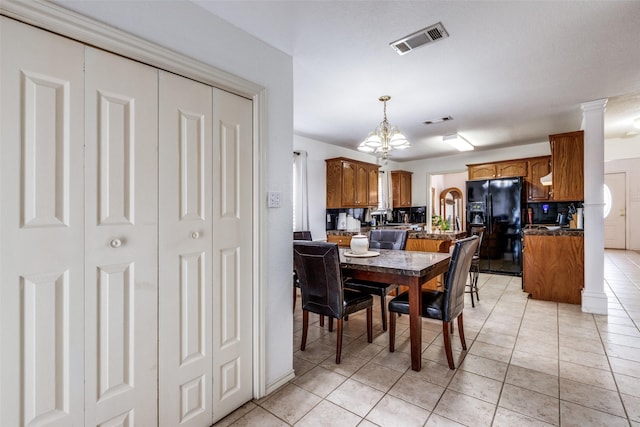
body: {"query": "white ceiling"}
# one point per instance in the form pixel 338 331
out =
pixel 510 73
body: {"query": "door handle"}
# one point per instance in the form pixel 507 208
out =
pixel 115 243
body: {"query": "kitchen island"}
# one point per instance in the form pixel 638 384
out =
pixel 553 266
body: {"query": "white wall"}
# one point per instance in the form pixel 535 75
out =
pixel 189 29
pixel 632 169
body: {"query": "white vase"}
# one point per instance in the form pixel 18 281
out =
pixel 359 244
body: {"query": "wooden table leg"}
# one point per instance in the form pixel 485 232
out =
pixel 415 325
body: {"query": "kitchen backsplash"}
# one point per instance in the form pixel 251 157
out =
pixel 547 212
pixel 415 215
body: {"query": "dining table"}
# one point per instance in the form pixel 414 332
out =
pixel 406 268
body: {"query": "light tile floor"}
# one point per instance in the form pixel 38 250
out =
pixel 529 363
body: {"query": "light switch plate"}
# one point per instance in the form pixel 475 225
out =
pixel 273 199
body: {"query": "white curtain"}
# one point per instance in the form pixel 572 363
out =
pixel 300 192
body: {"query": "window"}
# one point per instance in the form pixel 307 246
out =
pixel 607 201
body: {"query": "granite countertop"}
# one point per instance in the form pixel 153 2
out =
pixel 544 231
pixel 413 234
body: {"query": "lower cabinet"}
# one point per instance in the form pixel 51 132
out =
pixel 553 267
pixel 340 240
pixel 430 245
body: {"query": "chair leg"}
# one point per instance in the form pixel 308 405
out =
pixel 447 344
pixel 383 309
pixel 471 287
pixel 305 326
pixel 461 332
pixel 339 340
pixel 392 333
pixel 321 321
pixel 331 324
pixel 369 324
pixel 475 283
pixel 295 296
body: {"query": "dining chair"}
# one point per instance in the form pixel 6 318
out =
pixel 474 270
pixel 381 239
pixel 446 305
pixel 299 235
pixel 323 291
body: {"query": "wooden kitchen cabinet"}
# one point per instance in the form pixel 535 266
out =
pixel 351 183
pixel 553 267
pixel 567 165
pixel 538 167
pixel 506 169
pixel 340 240
pixel 401 189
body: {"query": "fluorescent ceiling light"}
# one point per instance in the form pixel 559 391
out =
pixel 458 142
pixel 636 123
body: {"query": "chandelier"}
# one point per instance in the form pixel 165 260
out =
pixel 385 137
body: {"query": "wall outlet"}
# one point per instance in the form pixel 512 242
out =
pixel 273 199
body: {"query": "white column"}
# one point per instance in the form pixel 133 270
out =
pixel 594 299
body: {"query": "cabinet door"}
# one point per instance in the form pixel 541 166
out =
pixel 373 186
pixel 334 184
pixel 185 252
pixel 482 171
pixel 349 182
pixel 511 169
pixel 42 228
pixel 567 152
pixel 362 185
pixel 537 169
pixel 121 294
pixel 405 190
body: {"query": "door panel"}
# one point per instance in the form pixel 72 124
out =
pixel 232 243
pixel 615 223
pixel 121 232
pixel 41 232
pixel 186 244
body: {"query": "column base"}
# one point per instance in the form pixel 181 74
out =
pixel 595 302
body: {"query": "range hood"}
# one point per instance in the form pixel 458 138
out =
pixel 547 179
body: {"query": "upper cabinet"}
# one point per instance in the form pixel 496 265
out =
pixel 351 183
pixel 567 165
pixel 506 169
pixel 401 188
pixel 538 167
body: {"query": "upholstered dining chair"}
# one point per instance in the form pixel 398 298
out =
pixel 323 291
pixel 445 306
pixel 474 270
pixel 300 235
pixel 381 239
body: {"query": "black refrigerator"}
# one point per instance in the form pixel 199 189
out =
pixel 495 204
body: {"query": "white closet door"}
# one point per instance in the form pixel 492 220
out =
pixel 121 294
pixel 232 252
pixel 41 228
pixel 185 239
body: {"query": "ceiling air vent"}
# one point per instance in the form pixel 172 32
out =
pixel 419 38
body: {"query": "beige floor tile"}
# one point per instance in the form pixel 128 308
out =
pixel 319 381
pixel 581 344
pixel 377 376
pixel 530 403
pixel 315 353
pixel 491 351
pixel 506 418
pixel 391 411
pixel 396 361
pixel 417 392
pixel 326 414
pixel 302 366
pixel 291 403
pixel 632 405
pixel 436 420
pixel 628 385
pixel 538 347
pixel 592 397
pixel 485 367
pixel 362 349
pixel 465 409
pixel 436 353
pixel 625 367
pixel 506 341
pixel 349 364
pixel 259 417
pixel 584 358
pixel 572 415
pixel 477 386
pixel 356 397
pixel 536 362
pixel 621 340
pixel 533 380
pixel 622 352
pixel 236 415
pixel 584 374
pixel 435 373
pixel 367 423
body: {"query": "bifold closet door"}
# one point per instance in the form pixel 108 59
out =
pixel 232 252
pixel 41 228
pixel 121 294
pixel 185 239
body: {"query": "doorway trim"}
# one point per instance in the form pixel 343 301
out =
pixel 86 30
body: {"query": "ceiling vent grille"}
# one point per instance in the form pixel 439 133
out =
pixel 420 38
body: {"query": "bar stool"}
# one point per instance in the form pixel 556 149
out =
pixel 474 269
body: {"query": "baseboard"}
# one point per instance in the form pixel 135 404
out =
pixel 280 382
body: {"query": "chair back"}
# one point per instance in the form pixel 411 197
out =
pixel 302 235
pixel 478 231
pixel 388 239
pixel 456 278
pixel 318 267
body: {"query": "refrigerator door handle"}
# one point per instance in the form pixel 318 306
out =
pixel 490 214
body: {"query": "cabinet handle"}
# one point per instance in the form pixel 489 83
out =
pixel 195 235
pixel 115 243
